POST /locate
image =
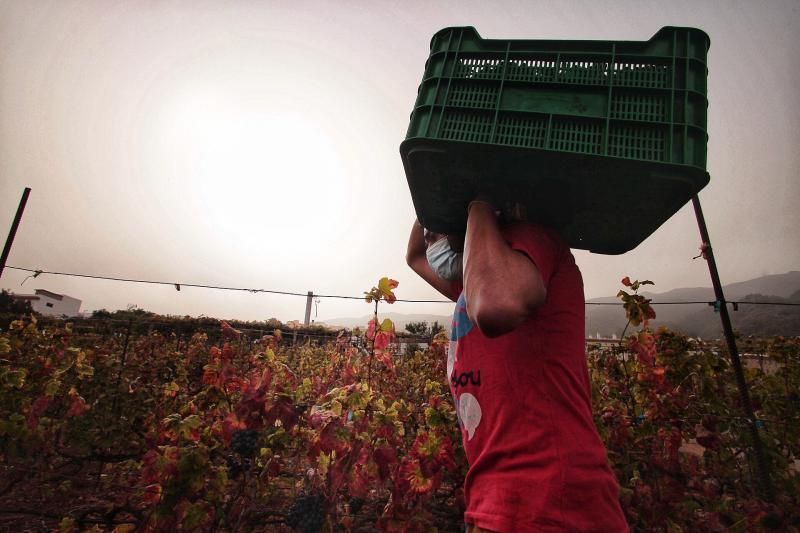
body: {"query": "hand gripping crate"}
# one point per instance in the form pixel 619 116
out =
pixel 603 140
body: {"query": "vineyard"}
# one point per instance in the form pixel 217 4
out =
pixel 156 431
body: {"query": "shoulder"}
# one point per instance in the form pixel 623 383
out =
pixel 544 246
pixel 535 233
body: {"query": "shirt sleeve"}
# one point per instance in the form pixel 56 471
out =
pixel 542 245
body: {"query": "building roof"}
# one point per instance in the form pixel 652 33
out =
pixel 49 294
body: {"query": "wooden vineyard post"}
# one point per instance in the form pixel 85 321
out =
pixel 122 364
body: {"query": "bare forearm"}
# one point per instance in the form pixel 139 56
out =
pixel 484 246
pixel 416 243
pixel 416 259
pixel 502 286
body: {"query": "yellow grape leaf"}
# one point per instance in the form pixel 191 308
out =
pixel 67 525
pixel 51 389
pixel 323 463
pixel 386 286
pixel 174 418
pixel 188 426
pixel 65 365
pixel 358 399
pixel 434 418
pixel 14 378
pixel 84 370
pixel 433 387
pixel 171 389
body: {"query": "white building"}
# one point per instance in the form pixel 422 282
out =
pixel 52 304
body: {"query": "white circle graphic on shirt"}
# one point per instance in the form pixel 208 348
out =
pixel 470 412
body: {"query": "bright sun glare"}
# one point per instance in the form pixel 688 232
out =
pixel 256 167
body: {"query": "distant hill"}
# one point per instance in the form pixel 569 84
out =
pixel 698 320
pixel 693 320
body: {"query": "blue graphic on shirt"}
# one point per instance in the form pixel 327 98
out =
pixel 461 322
pixel 461 326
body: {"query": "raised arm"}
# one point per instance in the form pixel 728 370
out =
pixel 417 260
pixel 503 286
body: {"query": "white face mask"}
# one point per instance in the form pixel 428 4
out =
pixel 444 261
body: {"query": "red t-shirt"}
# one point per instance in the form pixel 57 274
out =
pixel 536 462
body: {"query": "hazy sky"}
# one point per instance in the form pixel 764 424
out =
pixel 256 144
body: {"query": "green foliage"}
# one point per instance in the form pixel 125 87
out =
pixel 417 328
pixel 670 414
pixel 9 304
pixel 210 436
pixel 637 307
pixel 423 329
pixel 110 429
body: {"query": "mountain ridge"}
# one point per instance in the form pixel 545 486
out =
pixel 696 320
pixel 693 320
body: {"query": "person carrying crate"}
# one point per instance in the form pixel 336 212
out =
pixel 518 374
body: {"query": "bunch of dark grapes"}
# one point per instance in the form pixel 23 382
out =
pixel 245 442
pixel 235 467
pixel 355 505
pixel 305 514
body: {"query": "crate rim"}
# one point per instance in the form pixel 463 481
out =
pixel 411 144
pixel 574 117
pixel 663 29
pixel 701 94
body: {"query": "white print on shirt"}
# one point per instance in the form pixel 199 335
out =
pixel 469 410
pixel 451 357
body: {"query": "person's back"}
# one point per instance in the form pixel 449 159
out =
pixel 521 390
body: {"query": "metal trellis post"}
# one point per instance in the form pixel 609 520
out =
pixel 13 231
pixel 758 447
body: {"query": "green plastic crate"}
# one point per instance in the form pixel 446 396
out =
pixel 604 140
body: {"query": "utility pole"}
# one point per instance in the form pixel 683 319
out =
pixel 309 299
pixel 13 231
